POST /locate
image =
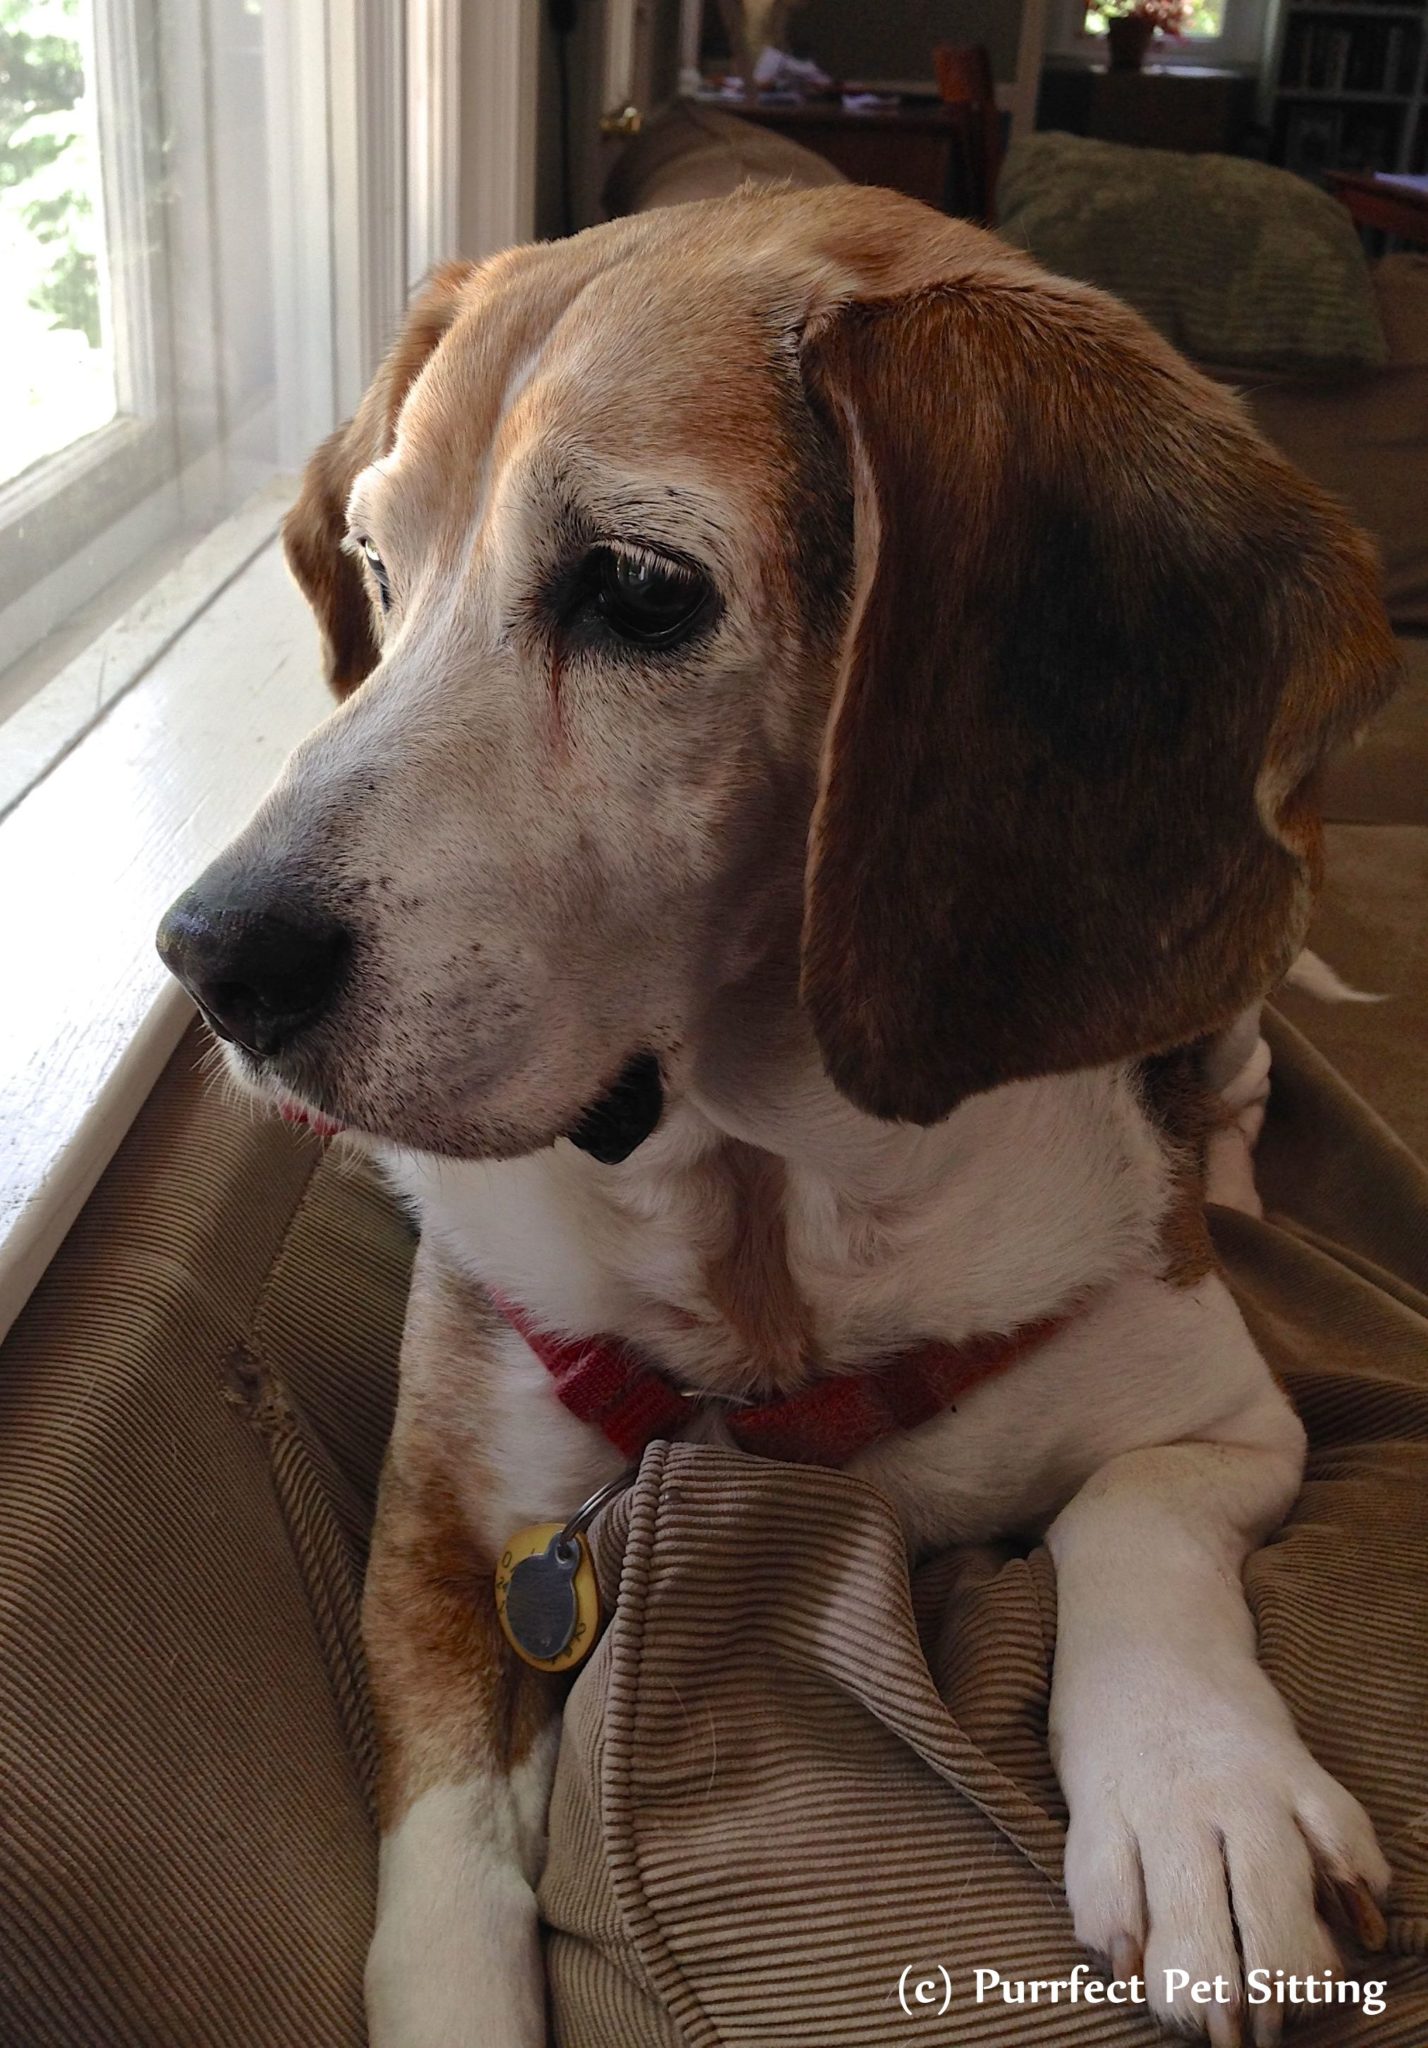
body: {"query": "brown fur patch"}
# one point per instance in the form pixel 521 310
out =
pixel 1104 636
pixel 749 1279
pixel 449 1698
pixel 314 529
pixel 1184 1114
pixel 449 1695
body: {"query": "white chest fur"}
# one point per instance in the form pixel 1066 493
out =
pixel 888 1233
pixel 1040 1191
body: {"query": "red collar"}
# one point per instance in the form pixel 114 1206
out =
pixel 604 1381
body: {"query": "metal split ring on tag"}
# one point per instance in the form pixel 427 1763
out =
pixel 547 1600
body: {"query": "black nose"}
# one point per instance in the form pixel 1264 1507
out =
pixel 261 972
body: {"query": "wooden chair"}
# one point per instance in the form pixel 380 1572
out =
pixel 964 80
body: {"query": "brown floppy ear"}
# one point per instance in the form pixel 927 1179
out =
pixel 1100 639
pixel 315 527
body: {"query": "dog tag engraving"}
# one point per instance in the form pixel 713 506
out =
pixel 546 1596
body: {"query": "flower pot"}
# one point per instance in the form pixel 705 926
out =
pixel 1128 37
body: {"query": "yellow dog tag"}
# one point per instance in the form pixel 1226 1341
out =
pixel 546 1596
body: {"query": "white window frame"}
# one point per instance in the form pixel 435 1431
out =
pixel 187 723
pixel 433 60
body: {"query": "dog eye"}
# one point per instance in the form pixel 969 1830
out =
pixel 379 571
pixel 647 598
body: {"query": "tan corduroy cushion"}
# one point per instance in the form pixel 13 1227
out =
pixel 775 1793
pixel 192 1410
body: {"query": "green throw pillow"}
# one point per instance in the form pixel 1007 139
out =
pixel 1237 263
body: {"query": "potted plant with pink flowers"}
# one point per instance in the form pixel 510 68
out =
pixel 1132 25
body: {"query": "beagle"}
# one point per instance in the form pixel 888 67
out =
pixel 830 720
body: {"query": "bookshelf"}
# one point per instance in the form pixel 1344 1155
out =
pixel 1346 86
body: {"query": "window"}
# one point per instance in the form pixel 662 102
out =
pixel 1221 32
pixel 210 215
pixel 196 276
pixel 1204 18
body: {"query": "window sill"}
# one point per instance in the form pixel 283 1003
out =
pixel 227 682
pixel 1195 59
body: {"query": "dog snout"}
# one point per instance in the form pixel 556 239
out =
pixel 262 969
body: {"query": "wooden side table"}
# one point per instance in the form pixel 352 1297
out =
pixel 1192 107
pixel 1396 206
pixel 922 148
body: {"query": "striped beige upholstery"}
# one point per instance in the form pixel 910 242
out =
pixel 783 1778
pixel 787 1777
pixel 192 1412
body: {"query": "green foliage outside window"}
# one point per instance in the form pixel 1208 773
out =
pixel 44 166
pixel 60 367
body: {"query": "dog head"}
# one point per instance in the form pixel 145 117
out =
pixel 794 583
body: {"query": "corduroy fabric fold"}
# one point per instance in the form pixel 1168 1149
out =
pixel 775 1794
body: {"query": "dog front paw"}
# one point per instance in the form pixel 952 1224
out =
pixel 1212 1863
pixel 456 1958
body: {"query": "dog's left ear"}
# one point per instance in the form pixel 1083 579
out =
pixel 316 526
pixel 1100 638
